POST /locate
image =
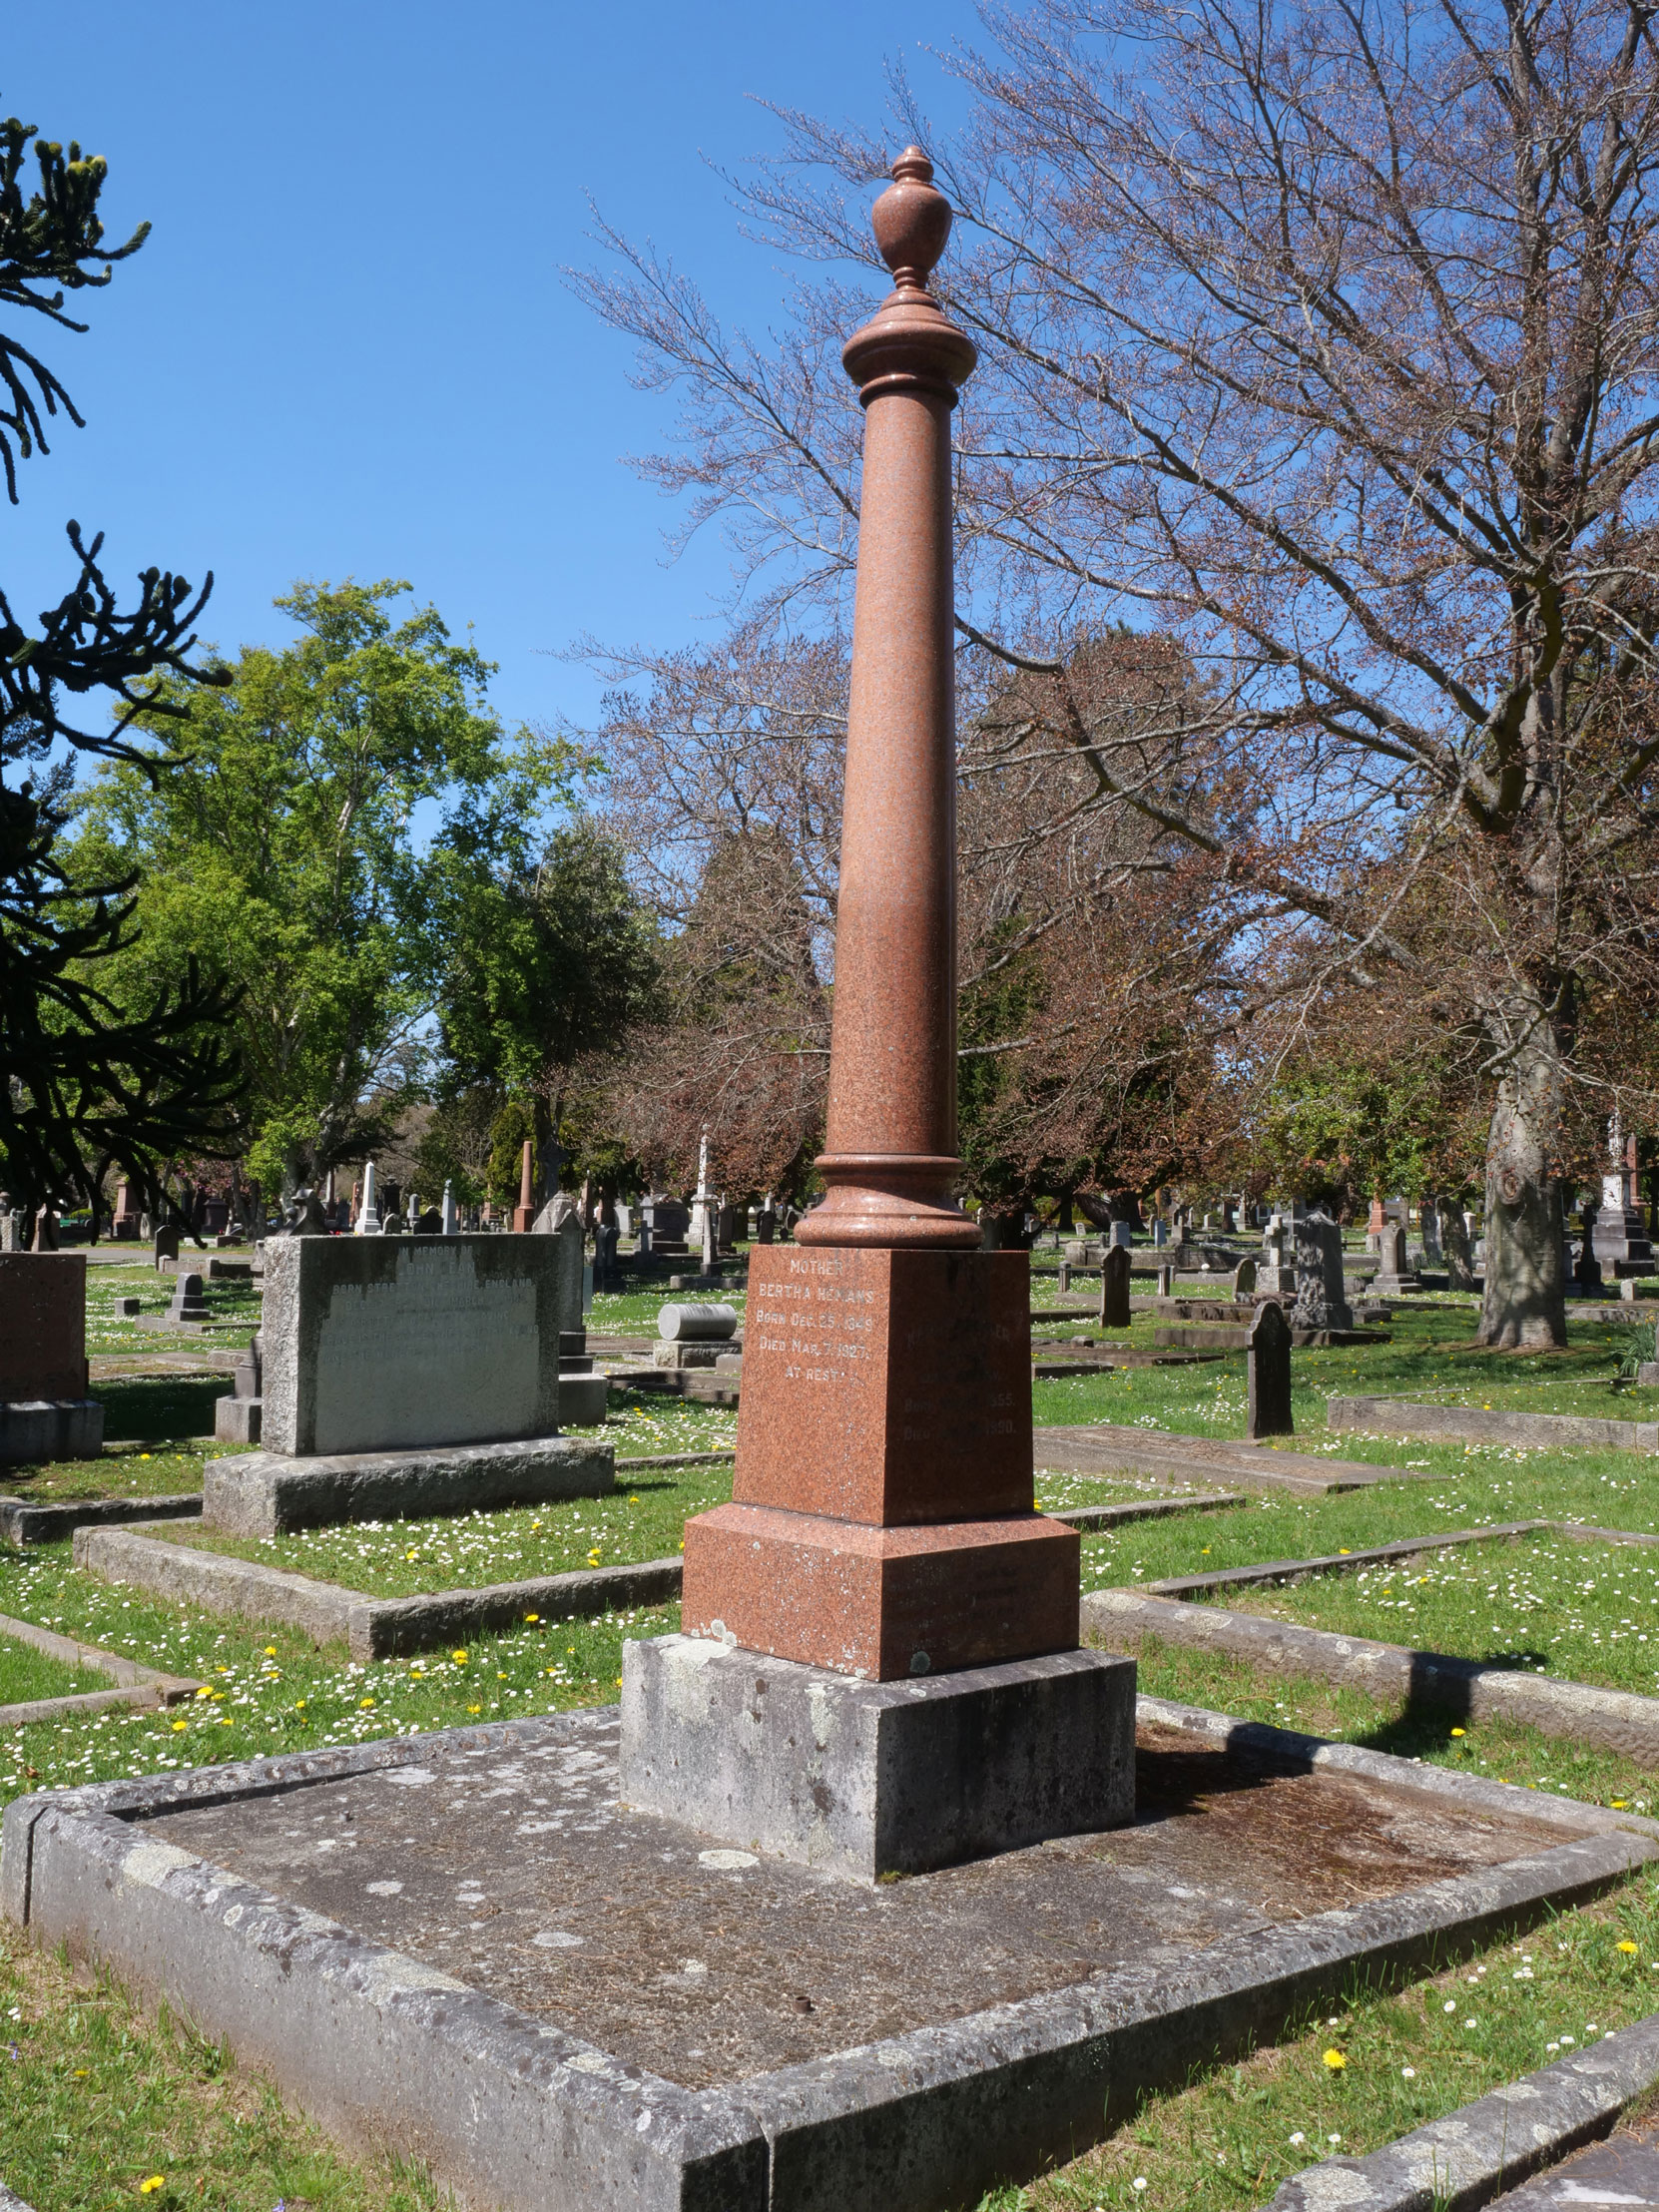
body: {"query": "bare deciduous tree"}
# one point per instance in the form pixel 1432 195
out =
pixel 1324 334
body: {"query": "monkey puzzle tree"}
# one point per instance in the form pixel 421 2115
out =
pixel 86 1086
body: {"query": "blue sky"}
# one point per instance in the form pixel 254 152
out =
pixel 346 349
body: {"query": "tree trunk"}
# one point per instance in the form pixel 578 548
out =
pixel 1523 1306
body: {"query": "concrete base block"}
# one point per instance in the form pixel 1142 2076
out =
pixel 865 1779
pixel 265 1495
pixel 50 1428
pixel 237 1419
pixel 582 1401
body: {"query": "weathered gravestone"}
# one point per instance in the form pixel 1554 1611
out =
pixel 167 1244
pixel 1244 1278
pixel 45 1412
pixel 1268 1371
pixel 1114 1287
pixel 405 1376
pixel 1392 1275
pixel 1276 1273
pixel 1320 1295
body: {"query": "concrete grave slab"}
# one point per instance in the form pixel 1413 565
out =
pixel 1109 1449
pixel 462 1947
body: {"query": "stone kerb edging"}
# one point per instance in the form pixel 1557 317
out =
pixel 382 1628
pixel 370 1627
pixel 1487 2147
pixel 514 2108
pixel 11 2203
pixel 24 1522
pixel 1405 1417
pixel 138 1686
pixel 1466 1688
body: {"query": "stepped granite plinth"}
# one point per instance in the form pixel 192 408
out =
pixel 464 1948
pixel 267 1493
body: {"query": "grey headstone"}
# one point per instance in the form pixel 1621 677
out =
pixel 1320 1300
pixel 1244 1278
pixel 376 1344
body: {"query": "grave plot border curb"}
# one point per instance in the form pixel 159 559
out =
pixel 1493 2144
pixel 24 1522
pixel 1407 1416
pixel 9 2202
pixel 387 1628
pixel 370 1627
pixel 384 2049
pixel 1467 1689
pixel 137 1685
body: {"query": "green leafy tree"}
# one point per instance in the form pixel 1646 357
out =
pixel 552 960
pixel 282 854
pixel 90 1083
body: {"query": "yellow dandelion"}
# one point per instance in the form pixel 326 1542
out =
pixel 179 1725
pixel 363 1704
pixel 475 1707
pixel 270 1651
pixel 204 1691
pixel 150 2183
pixel 1457 1732
pixel 1334 2060
pixel 459 1658
pixel 533 1616
pixel 1627 1945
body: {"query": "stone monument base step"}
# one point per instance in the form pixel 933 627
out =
pixel 266 1493
pixel 237 1419
pixel 50 1428
pixel 582 1399
pixel 869 1779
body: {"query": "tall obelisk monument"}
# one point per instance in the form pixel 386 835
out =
pixel 882 1526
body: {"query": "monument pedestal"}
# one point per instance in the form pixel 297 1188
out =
pixel 1621 1242
pixel 881 1519
pixel 865 1779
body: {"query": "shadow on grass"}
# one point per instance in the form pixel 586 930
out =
pixel 151 1408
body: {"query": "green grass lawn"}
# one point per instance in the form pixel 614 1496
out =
pixel 634 1313
pixel 1586 1612
pixel 99 2099
pixel 644 1519
pixel 135 1472
pixel 26 1674
pixel 102 2098
pixel 236 1303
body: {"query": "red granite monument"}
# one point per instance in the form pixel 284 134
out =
pixel 882 1528
pixel 45 1412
